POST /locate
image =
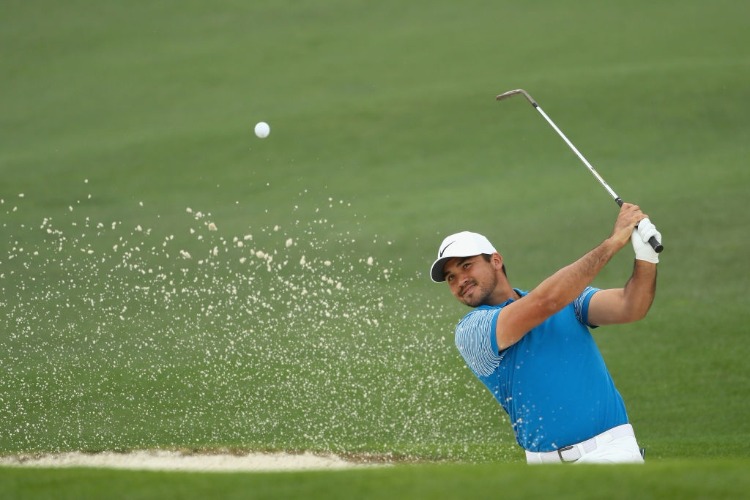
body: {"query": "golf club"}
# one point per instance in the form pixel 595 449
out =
pixel 655 244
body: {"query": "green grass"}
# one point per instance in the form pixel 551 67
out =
pixel 671 479
pixel 385 136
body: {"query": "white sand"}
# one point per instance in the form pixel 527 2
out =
pixel 177 461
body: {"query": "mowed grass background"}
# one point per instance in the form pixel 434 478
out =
pixel 119 117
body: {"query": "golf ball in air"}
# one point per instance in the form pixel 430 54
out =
pixel 262 130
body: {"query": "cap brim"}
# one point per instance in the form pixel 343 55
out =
pixel 436 271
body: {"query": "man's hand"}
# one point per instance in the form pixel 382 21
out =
pixel 629 217
pixel 640 237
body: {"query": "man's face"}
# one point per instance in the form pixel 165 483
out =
pixel 472 280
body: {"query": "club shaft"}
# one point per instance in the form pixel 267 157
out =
pixel 655 243
pixel 579 154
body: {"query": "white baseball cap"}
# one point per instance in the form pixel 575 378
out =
pixel 463 244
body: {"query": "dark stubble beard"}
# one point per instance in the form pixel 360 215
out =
pixel 482 293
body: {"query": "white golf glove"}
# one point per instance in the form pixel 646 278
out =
pixel 640 237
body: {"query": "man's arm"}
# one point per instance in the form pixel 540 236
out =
pixel 625 305
pixel 560 289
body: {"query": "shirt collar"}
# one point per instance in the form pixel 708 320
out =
pixel 521 293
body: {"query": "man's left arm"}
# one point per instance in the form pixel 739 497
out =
pixel 625 305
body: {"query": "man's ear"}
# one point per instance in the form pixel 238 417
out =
pixel 497 261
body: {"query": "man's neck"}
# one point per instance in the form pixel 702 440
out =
pixel 503 294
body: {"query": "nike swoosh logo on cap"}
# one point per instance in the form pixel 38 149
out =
pixel 445 248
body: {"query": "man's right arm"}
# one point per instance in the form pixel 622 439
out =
pixel 560 289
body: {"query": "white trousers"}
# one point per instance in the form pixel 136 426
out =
pixel 615 446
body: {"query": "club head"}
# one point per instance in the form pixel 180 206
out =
pixel 511 93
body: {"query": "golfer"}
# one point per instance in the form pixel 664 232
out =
pixel 534 351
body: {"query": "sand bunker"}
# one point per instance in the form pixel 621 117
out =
pixel 178 461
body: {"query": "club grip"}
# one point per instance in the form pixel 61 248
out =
pixel 655 244
pixel 653 241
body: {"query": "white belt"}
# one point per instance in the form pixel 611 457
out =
pixel 575 451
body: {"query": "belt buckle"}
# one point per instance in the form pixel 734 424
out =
pixel 566 448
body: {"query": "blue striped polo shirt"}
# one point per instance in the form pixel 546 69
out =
pixel 553 383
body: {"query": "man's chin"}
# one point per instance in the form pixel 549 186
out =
pixel 471 301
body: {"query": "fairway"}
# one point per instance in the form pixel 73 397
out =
pixel 170 281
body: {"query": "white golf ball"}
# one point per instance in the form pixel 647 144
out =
pixel 262 130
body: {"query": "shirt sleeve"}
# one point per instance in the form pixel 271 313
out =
pixel 477 342
pixel 581 305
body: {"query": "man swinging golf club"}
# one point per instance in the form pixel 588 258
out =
pixel 534 351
